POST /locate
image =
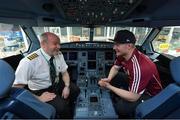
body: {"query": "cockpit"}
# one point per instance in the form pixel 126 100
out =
pixel 85 29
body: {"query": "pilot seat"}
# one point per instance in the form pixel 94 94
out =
pixel 166 104
pixel 17 102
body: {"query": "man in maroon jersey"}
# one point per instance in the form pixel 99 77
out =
pixel 142 75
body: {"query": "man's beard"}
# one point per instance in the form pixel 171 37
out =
pixel 56 52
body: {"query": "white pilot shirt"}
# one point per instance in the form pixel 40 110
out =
pixel 33 70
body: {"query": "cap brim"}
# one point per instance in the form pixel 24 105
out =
pixel 114 40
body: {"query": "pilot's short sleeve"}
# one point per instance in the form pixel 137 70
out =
pixel 23 72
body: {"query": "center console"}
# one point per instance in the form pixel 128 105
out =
pixel 93 101
pixel 92 62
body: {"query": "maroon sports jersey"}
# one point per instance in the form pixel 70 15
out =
pixel 142 73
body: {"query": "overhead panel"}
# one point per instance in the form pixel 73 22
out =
pixel 95 11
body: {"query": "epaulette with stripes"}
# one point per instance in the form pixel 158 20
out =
pixel 31 57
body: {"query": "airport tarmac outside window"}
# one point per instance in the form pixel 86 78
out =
pixel 66 34
pixel 106 33
pixel 168 41
pixel 12 40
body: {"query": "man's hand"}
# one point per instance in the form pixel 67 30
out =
pixel 65 92
pixel 47 96
pixel 103 83
pixel 105 79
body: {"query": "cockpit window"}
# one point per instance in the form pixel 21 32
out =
pixel 67 34
pixel 168 41
pixel 106 33
pixel 13 40
pixel 73 34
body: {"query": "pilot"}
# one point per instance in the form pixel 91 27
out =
pixel 41 72
pixel 139 80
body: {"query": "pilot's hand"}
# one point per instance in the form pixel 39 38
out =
pixel 65 92
pixel 47 96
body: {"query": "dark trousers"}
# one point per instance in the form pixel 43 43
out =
pixel 63 106
pixel 124 108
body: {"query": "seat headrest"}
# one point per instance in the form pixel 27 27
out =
pixel 7 77
pixel 175 69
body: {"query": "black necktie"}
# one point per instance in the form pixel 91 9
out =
pixel 52 70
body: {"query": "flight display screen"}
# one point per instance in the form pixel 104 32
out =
pixel 91 55
pixel 92 65
pixel 72 55
pixel 108 55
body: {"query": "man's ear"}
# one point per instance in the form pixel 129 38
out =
pixel 43 43
pixel 128 46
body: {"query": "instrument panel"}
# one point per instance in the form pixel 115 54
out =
pixel 88 63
